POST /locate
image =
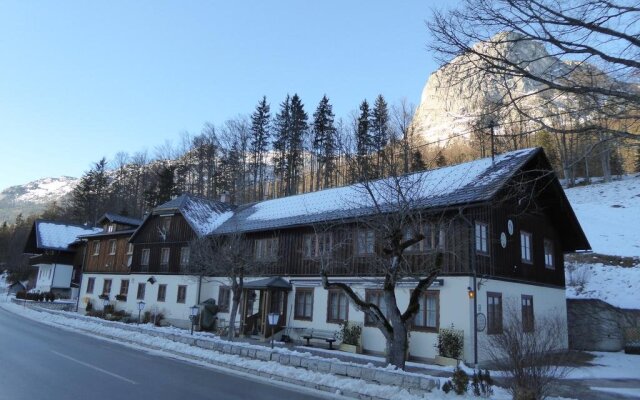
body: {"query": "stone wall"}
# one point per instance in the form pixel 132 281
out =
pixel 595 325
pixel 71 306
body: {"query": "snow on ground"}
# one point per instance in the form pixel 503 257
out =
pixel 609 366
pixel 160 344
pixel 610 215
pixel 614 284
pixel 630 392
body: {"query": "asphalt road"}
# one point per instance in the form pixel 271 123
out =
pixel 38 361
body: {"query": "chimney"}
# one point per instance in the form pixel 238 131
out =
pixel 225 197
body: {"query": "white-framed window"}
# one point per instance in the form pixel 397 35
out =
pixel 182 294
pixel 525 247
pixel 303 309
pixel 166 224
pixel 428 316
pixel 266 249
pixel 144 257
pixel 548 254
pixel 141 289
pixel 184 256
pixel 129 254
pixel 164 256
pixel 316 245
pixel 96 247
pixel 337 306
pixel 365 242
pixel 482 240
pixel 111 228
pixel 112 247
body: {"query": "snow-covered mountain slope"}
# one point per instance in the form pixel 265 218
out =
pixel 610 215
pixel 33 197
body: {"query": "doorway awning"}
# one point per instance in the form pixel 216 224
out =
pixel 275 282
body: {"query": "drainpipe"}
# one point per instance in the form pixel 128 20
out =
pixel 199 288
pixel 472 252
pixel 53 275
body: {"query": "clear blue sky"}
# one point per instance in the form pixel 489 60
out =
pixel 84 79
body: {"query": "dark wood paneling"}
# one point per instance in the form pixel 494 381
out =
pixel 105 262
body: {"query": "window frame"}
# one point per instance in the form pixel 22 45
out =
pixel 184 260
pixel 142 288
pixel 106 286
pixel 181 296
pixel 315 245
pixel 481 238
pixel 528 316
pixel 96 248
pixel 165 251
pixel 91 283
pixel 494 314
pixel 124 286
pixel 113 246
pixel 266 249
pixel 526 247
pixel 549 256
pixel 145 254
pixel 301 314
pixel 339 294
pixel 162 290
pixel 426 328
pixel 370 248
pixel 369 295
pixel 224 298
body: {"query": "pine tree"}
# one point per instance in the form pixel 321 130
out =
pixel 379 129
pixel 363 135
pixel 282 124
pixel 417 162
pixel 89 198
pixel 299 128
pixel 260 125
pixel 164 189
pixel 324 140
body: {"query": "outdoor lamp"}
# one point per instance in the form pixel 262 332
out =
pixel 471 292
pixel 194 313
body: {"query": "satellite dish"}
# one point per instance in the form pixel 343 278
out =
pixel 510 227
pixel 503 240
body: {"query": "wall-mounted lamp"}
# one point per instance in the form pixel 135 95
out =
pixel 470 292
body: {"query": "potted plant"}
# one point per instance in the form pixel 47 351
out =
pixel 121 297
pixel 104 296
pixel 349 334
pixel 450 344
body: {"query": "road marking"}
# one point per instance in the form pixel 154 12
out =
pixel 96 368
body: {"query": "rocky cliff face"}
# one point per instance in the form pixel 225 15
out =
pixel 463 95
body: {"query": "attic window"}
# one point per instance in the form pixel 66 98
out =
pixel 96 247
pixel 111 228
pixel 166 223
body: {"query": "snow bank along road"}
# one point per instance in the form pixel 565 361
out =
pixel 42 362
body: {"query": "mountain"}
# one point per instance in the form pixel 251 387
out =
pixel 34 197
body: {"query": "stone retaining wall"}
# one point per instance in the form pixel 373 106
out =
pixel 47 305
pixel 595 325
pixel 414 383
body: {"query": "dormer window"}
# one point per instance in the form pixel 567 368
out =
pixel 111 228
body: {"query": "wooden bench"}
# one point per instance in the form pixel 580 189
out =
pixel 319 334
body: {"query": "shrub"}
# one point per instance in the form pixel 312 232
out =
pixel 446 387
pixel 155 318
pixel 450 342
pixel 121 297
pixel 109 309
pixel 534 361
pixel 481 383
pixel 89 306
pixel 349 333
pixel 21 295
pixel 460 381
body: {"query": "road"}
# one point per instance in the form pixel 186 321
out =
pixel 38 361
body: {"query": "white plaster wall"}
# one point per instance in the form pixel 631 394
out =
pixel 62 276
pixel 44 277
pixel 53 275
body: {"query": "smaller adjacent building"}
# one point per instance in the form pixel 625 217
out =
pixel 53 249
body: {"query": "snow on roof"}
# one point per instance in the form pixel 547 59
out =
pixel 58 235
pixel 203 215
pixel 120 219
pixel 469 182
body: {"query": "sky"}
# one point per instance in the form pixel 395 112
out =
pixel 82 80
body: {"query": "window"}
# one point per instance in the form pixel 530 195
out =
pixel 548 254
pixel 365 242
pixel 129 254
pixel 141 290
pixel 428 316
pixel 112 247
pixel 91 282
pixel 106 287
pixel 481 238
pixel 164 256
pixel 224 293
pixel 266 249
pixel 162 292
pixel 166 224
pixel 182 294
pixel 111 228
pixel 124 287
pixel 144 257
pixel 316 245
pixel 303 304
pixel 494 313
pixel 527 313
pixel 376 297
pixel 184 256
pixel 525 247
pixel 337 306
pixel 96 247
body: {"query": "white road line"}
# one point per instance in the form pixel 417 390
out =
pixel 96 368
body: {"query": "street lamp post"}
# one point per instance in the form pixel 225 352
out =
pixel 273 321
pixel 194 314
pixel 141 305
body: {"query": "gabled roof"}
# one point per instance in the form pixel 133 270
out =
pixel 120 219
pixel 51 235
pixel 125 232
pixel 203 215
pixel 471 182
